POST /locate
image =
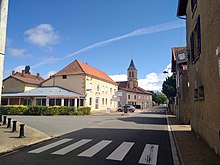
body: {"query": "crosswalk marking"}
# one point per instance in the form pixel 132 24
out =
pixel 149 155
pixel 95 149
pixel 121 151
pixel 71 147
pixel 49 146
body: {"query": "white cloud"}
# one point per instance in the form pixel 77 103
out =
pixel 18 52
pixel 19 68
pixel 119 77
pixel 50 73
pixel 43 35
pixel 153 81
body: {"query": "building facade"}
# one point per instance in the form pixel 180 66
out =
pixel 180 70
pixel 3 27
pixel 130 92
pixel 96 86
pixel 21 82
pixel 203 43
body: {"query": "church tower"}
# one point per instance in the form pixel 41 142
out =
pixel 132 76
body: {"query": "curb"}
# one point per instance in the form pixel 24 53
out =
pixel 176 154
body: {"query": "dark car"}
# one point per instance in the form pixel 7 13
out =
pixel 128 108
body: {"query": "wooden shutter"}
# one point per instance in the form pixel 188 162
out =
pixel 198 35
pixel 192 48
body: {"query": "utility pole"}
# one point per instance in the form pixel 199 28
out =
pixel 3 26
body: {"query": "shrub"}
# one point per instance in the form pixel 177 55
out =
pixel 14 110
pixel 36 110
pixel 83 110
pixel 65 110
pixel 43 110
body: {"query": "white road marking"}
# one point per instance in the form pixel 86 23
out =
pixel 121 151
pixel 95 149
pixel 49 146
pixel 149 155
pixel 71 147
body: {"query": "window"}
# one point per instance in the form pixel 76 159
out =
pixel 51 102
pixel 97 103
pixel 66 102
pixel 106 101
pixel 195 42
pixel 58 102
pixel 40 102
pixel 64 76
pixel 90 101
pixel 193 5
pixel 199 93
pixel 135 96
pixel 111 90
pixel 72 103
pixel 106 91
pixel 103 89
pixel 129 74
pixel 132 74
pixel 129 97
pixel 97 87
pixel 4 101
pixel 103 101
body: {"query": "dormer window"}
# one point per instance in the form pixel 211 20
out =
pixel 64 76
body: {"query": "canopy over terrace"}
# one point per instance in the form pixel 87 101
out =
pixel 44 96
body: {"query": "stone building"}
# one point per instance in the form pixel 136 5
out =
pixel 203 42
pixel 180 71
pixel 3 27
pixel 130 92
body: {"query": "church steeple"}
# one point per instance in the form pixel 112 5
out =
pixel 132 76
pixel 132 66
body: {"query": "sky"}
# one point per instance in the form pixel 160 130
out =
pixel 106 34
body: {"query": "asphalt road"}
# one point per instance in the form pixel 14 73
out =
pixel 140 138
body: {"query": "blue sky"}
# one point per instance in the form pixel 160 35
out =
pixel 49 34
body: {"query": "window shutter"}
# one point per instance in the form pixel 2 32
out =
pixel 192 47
pixel 198 35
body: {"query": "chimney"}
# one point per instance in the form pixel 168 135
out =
pixel 22 73
pixel 13 73
pixel 38 75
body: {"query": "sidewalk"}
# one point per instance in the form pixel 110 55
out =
pixel 10 141
pixel 191 149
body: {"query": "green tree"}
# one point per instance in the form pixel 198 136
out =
pixel 169 87
pixel 159 98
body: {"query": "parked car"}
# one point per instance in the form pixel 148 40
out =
pixel 129 108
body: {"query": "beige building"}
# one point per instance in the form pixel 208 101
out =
pixel 96 86
pixel 203 42
pixel 130 92
pixel 19 82
pixel 3 27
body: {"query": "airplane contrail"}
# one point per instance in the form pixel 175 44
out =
pixel 139 32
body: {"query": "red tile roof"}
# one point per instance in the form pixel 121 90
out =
pixel 27 78
pixel 78 67
pixel 135 89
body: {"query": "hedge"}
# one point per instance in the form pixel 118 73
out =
pixel 83 110
pixel 44 110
